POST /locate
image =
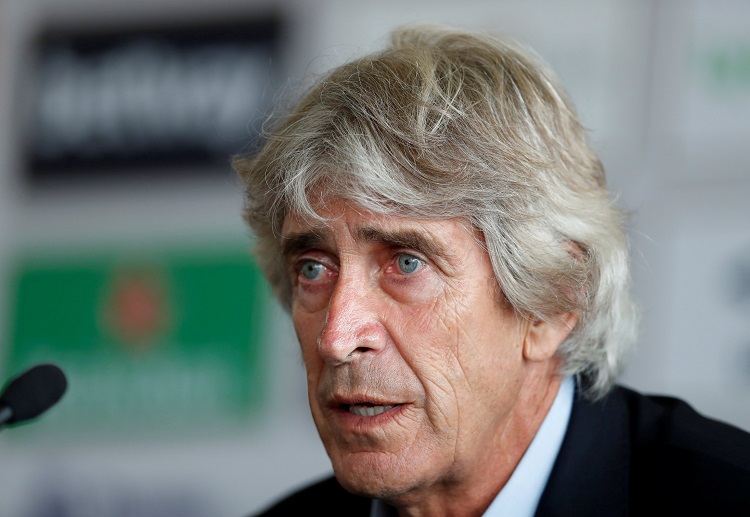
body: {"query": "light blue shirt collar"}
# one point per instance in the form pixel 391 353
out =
pixel 520 495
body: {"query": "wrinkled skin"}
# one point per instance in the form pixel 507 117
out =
pixel 405 314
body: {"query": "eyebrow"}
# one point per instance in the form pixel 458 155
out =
pixel 299 242
pixel 405 239
pixel 296 243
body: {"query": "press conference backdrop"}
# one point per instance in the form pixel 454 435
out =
pixel 124 259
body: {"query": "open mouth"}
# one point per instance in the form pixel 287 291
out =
pixel 368 409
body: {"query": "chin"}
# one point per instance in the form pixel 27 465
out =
pixel 374 475
pixel 370 487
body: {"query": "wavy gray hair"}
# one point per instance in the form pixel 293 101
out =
pixel 447 123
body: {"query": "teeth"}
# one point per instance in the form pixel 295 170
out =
pixel 360 410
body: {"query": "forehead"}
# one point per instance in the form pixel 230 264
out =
pixel 345 217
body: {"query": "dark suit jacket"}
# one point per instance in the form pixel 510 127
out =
pixel 627 454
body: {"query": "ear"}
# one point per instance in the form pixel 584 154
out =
pixel 543 338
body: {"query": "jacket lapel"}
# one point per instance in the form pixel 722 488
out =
pixel 592 470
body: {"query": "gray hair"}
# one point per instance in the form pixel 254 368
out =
pixel 447 123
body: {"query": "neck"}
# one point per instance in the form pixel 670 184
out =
pixel 474 488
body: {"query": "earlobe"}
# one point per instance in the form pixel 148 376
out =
pixel 543 338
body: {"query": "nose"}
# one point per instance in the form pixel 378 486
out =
pixel 352 326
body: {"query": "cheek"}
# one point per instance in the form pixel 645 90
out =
pixel 461 347
pixel 441 326
pixel 308 327
pixel 430 314
pixel 430 341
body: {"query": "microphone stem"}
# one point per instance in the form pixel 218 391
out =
pixel 6 413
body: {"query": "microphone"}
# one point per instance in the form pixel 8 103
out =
pixel 32 393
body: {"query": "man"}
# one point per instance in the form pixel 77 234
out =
pixel 434 220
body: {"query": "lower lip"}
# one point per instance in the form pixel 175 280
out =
pixel 351 422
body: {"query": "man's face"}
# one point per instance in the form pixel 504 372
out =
pixel 414 364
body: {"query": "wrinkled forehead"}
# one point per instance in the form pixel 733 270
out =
pixel 325 215
pixel 367 178
pixel 335 196
pixel 338 213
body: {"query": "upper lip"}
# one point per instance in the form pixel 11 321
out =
pixel 339 400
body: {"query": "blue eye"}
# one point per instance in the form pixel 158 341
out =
pixel 311 269
pixel 408 263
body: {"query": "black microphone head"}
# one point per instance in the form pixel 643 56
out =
pixel 34 391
